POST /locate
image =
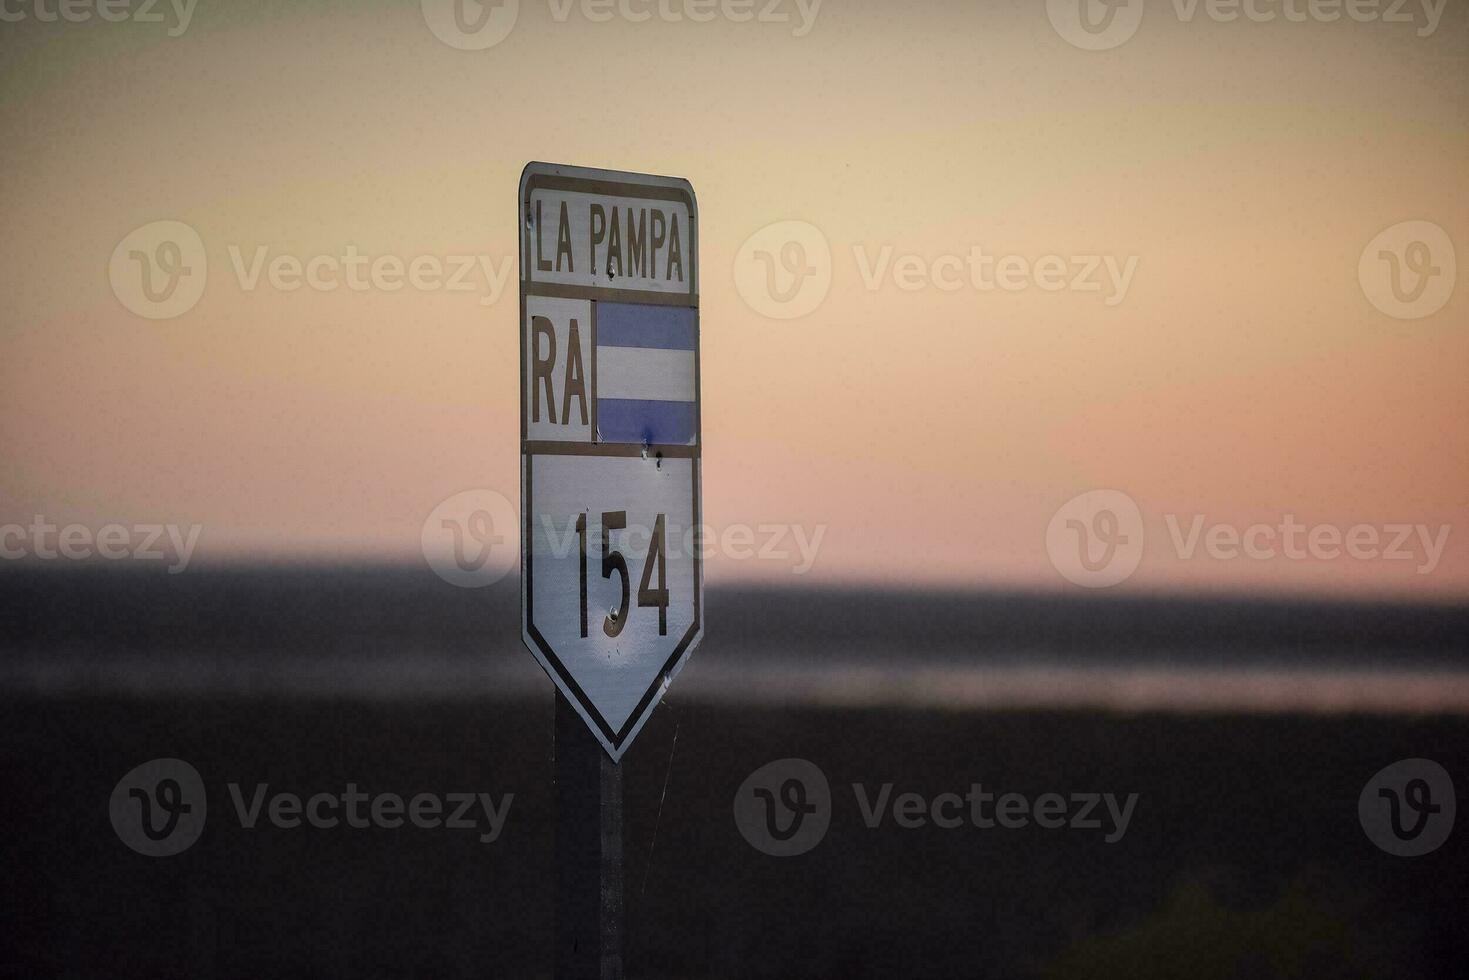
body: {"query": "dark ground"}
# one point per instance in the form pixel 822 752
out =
pixel 1244 857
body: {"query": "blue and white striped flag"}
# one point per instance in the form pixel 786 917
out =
pixel 645 374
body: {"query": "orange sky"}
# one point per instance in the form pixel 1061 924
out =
pixel 933 433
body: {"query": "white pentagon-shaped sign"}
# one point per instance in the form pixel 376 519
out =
pixel 611 567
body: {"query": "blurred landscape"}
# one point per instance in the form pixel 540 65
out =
pixel 1081 410
pixel 1247 727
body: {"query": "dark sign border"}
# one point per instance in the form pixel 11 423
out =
pixel 538 176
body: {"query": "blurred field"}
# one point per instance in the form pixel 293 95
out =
pixel 1244 857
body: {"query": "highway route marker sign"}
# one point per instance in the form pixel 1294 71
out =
pixel 612 583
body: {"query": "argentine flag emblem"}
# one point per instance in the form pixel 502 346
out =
pixel 645 374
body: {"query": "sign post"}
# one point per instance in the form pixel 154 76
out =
pixel 588 904
pixel 612 583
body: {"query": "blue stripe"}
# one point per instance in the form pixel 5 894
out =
pixel 636 420
pixel 644 325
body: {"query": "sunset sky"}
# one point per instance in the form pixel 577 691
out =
pixel 1243 374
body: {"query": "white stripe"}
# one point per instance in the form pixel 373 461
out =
pixel 645 372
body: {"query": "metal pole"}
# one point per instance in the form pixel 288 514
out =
pixel 588 853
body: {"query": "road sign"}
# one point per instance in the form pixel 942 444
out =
pixel 612 583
